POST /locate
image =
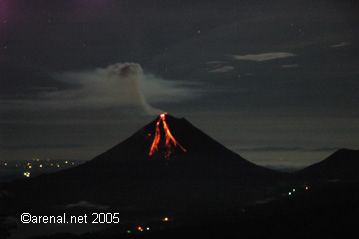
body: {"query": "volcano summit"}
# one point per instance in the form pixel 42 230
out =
pixel 170 141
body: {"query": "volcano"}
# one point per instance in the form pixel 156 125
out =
pixel 169 164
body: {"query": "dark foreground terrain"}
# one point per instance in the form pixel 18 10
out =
pixel 329 210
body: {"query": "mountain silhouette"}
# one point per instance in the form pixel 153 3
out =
pixel 341 165
pixel 205 173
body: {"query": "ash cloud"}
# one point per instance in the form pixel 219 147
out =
pixel 118 85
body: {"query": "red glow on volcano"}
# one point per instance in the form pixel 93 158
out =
pixel 170 141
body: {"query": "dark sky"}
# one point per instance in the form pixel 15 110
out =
pixel 276 81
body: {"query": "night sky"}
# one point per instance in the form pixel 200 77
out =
pixel 275 81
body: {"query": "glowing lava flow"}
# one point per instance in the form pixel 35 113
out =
pixel 169 139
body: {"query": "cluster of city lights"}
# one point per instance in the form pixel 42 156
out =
pixel 293 190
pixel 36 165
pixel 141 228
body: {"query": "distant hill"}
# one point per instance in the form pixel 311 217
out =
pixel 341 165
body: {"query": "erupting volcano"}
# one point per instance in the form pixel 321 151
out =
pixel 204 175
pixel 170 141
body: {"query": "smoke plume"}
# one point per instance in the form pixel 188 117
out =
pixel 120 84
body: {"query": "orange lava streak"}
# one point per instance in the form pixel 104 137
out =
pixel 156 140
pixel 169 139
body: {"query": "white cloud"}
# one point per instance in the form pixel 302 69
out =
pixel 290 66
pixel 222 69
pixel 215 62
pixel 86 204
pixel 263 56
pixel 341 44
